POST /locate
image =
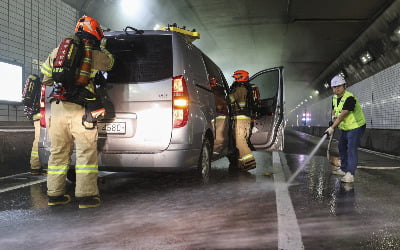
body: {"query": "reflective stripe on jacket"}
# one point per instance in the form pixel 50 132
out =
pixel 354 119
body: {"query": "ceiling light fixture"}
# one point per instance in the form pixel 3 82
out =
pixel 156 27
pixel 396 33
pixel 366 57
pixel 129 7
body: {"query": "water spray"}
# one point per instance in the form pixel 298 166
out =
pixel 308 159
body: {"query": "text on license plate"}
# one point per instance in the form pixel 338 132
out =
pixel 111 127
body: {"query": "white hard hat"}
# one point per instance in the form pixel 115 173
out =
pixel 337 81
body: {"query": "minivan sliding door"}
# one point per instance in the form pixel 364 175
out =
pixel 268 128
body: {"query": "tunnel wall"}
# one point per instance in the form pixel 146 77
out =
pixel 380 140
pixel 30 30
pixel 379 97
pixel 15 147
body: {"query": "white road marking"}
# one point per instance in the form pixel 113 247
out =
pixel 381 168
pixel 16 130
pixel 12 176
pixel 289 236
pixel 23 185
pixel 393 157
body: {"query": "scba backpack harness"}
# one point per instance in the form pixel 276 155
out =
pixel 31 96
pixel 253 102
pixel 67 61
pixel 71 72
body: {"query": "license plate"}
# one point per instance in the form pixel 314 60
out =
pixel 111 128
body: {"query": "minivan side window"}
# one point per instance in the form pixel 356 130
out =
pixel 267 84
pixel 140 58
pixel 213 71
pixel 217 85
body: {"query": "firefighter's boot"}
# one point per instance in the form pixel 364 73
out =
pixel 59 200
pixel 89 201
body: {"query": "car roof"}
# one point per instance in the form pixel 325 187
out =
pixel 139 32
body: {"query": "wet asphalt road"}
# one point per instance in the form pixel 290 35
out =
pixel 235 210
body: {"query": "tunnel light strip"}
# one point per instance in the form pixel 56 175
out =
pixel 289 236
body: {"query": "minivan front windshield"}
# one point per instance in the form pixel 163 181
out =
pixel 140 58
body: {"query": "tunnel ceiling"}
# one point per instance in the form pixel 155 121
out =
pixel 304 36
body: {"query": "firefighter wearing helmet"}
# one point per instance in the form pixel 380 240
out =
pixel 74 110
pixel 242 115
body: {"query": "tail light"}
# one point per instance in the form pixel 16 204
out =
pixel 180 102
pixel 43 107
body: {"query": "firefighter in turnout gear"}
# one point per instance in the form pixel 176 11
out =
pixel 242 115
pixel 70 122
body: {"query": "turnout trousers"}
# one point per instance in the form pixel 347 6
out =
pixel 221 133
pixel 34 160
pixel 242 133
pixel 65 128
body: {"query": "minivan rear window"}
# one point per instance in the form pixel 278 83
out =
pixel 140 58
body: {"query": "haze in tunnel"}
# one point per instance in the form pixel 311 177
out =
pixel 304 37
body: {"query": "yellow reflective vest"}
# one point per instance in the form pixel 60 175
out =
pixel 354 119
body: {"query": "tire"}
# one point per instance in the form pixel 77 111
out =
pixel 204 164
pixel 71 175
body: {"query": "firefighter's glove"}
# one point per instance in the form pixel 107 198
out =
pixel 329 131
pixel 99 79
pixel 94 112
pixel 58 89
pixel 103 43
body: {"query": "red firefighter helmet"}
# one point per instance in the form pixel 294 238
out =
pixel 89 25
pixel 241 76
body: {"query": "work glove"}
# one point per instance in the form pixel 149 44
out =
pixel 94 112
pixel 58 88
pixel 329 131
pixel 58 92
pixel 103 43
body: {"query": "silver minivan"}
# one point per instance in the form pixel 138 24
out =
pixel 161 108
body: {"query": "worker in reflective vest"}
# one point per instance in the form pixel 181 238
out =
pixel 242 115
pixel 66 123
pixel 349 118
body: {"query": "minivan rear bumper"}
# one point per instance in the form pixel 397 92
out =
pixel 167 159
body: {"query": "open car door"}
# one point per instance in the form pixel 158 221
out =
pixel 268 129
